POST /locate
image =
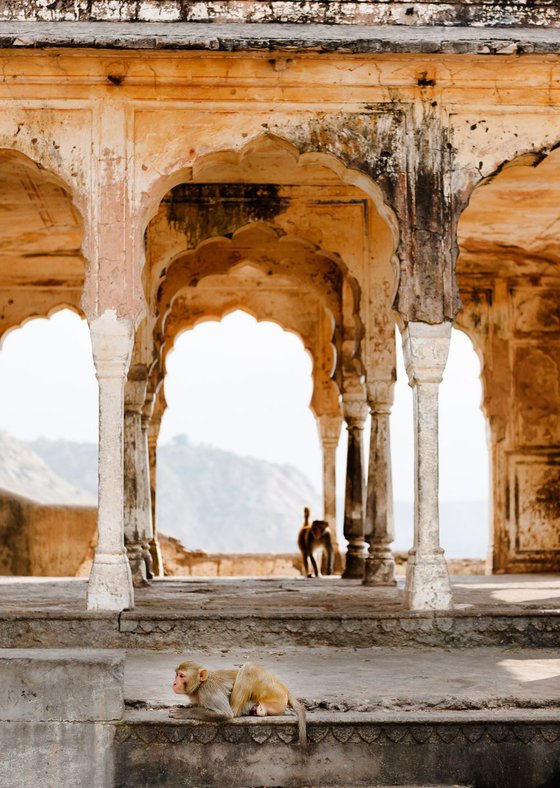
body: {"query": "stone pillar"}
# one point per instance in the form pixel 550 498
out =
pixel 138 530
pixel 155 549
pixel 425 354
pixel 329 431
pixel 355 412
pixel 379 526
pixel 110 582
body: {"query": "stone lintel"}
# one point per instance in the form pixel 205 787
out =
pixel 240 36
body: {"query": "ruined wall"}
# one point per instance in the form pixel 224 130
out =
pixel 43 540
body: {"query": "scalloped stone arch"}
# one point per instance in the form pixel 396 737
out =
pixel 208 306
pixel 49 173
pixel 233 165
pixel 517 187
pixel 40 316
pixel 59 236
pixel 324 272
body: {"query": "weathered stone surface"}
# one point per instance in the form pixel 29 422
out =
pixel 40 685
pixel 371 12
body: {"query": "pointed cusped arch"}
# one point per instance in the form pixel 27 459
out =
pixel 42 267
pixel 511 221
pixel 267 248
pixel 267 158
pixel 45 314
pixel 313 327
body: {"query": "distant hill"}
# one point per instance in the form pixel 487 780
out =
pixel 25 472
pixel 216 500
pixel 211 499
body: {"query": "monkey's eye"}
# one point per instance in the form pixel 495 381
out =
pixel 181 675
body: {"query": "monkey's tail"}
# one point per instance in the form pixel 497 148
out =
pixel 299 709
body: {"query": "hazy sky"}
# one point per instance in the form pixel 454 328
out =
pixel 238 385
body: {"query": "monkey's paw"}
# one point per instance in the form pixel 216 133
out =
pixel 178 712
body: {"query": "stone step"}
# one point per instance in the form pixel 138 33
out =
pixel 67 718
pixel 496 611
pixel 342 680
pixel 483 749
pixel 171 630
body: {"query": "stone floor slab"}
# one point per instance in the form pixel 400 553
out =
pixel 372 679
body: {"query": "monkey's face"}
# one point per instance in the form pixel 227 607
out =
pixel 318 528
pixel 188 678
pixel 181 683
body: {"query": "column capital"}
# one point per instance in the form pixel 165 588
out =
pixel 355 410
pixel 329 429
pixel 380 395
pixel 425 349
pixel 135 393
pixel 111 343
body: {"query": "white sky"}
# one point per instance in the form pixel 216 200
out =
pixel 241 386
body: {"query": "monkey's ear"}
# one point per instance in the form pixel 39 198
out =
pixel 203 674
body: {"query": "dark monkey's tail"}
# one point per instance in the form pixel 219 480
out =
pixel 299 709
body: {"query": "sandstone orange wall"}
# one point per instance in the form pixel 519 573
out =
pixel 43 540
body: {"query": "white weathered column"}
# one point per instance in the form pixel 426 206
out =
pixel 110 582
pixel 379 525
pixel 355 412
pixel 329 432
pixel 425 354
pixel 138 529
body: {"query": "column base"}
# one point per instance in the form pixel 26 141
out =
pixel 354 566
pixel 141 564
pixel 427 584
pixel 380 569
pixel 110 583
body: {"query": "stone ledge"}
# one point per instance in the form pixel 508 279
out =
pixel 459 629
pixel 407 749
pixel 43 685
pixel 523 725
pixel 240 37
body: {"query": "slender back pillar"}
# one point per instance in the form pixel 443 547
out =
pixel 355 412
pixel 379 525
pixel 155 548
pixel 110 582
pixel 138 531
pixel 425 354
pixel 329 431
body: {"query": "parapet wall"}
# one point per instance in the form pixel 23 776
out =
pixel 362 12
pixel 43 540
pixel 180 562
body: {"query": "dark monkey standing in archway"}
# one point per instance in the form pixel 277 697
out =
pixel 312 537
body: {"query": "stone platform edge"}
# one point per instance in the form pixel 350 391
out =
pixel 160 631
